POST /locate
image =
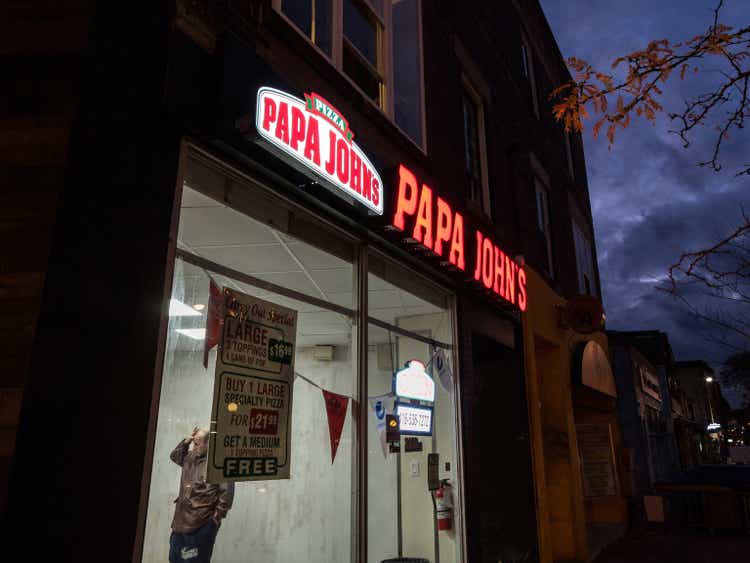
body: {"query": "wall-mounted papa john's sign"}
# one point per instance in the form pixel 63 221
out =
pixel 434 224
pixel 316 136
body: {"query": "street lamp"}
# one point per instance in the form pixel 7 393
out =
pixel 709 379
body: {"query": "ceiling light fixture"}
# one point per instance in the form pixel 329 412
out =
pixel 179 309
pixel 199 306
pixel 194 333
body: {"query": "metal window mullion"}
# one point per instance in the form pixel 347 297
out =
pixel 362 341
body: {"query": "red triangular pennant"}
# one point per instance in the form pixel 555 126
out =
pixel 214 320
pixel 336 406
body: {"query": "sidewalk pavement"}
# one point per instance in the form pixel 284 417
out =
pixel 654 547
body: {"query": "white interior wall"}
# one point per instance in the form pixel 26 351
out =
pixel 417 507
pixel 306 518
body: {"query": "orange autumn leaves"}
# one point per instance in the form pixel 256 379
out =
pixel 637 90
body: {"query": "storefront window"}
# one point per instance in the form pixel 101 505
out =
pixel 401 507
pixel 290 489
pixel 308 517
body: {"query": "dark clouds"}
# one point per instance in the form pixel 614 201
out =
pixel 650 200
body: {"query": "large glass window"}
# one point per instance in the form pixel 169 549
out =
pixel 307 517
pixel 410 329
pixel 257 250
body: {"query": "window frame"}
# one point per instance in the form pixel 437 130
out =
pixel 473 94
pixel 540 179
pixel 543 216
pixel 527 60
pixel 473 83
pixel 581 233
pixel 385 51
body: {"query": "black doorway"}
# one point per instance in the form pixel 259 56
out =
pixel 507 505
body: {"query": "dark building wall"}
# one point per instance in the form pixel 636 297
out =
pixel 42 52
pixel 78 464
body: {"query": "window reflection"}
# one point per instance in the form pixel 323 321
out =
pixel 407 68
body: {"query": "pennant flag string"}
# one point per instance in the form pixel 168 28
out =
pixel 311 382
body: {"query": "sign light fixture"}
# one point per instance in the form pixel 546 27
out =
pixel 413 382
pixel 318 139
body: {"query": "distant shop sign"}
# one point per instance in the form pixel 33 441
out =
pixel 591 368
pixel 584 314
pixel 317 136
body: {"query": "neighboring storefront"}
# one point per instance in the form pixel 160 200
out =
pixel 578 455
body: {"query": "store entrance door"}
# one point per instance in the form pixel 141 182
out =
pixel 508 508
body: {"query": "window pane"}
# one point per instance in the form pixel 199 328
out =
pixel 323 29
pixel 312 515
pixel 361 74
pixel 471 147
pixel 407 68
pixel 377 5
pixel 317 29
pixel 361 30
pixel 400 506
pixel 300 12
pixel 584 261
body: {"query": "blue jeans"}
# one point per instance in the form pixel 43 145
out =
pixel 195 547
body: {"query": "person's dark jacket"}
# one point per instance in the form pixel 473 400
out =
pixel 198 501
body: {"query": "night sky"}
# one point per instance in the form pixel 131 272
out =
pixel 650 200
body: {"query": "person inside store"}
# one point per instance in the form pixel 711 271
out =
pixel 200 506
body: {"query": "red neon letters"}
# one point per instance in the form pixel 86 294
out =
pixel 498 272
pixel 450 225
pixel 438 227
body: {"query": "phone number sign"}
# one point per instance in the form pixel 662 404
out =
pixel 414 419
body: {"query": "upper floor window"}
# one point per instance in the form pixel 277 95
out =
pixel 527 62
pixel 406 32
pixel 584 261
pixel 362 48
pixel 542 215
pixel 361 45
pixel 475 157
pixel 313 18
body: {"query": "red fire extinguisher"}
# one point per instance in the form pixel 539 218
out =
pixel 443 507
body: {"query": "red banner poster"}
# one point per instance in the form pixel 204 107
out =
pixel 214 320
pixel 336 406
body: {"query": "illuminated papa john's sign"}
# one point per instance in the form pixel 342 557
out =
pixel 413 382
pixel 429 220
pixel 315 134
